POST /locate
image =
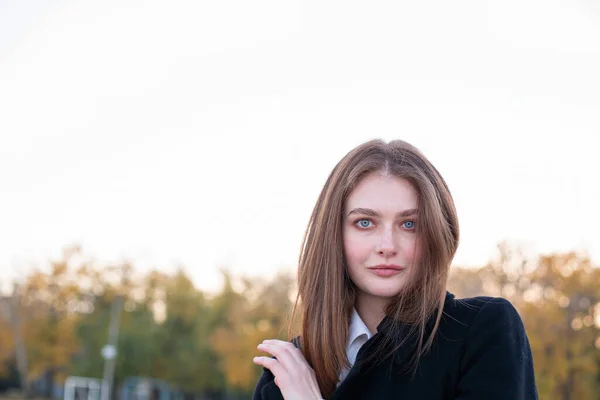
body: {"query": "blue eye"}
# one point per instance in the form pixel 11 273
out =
pixel 409 224
pixel 364 223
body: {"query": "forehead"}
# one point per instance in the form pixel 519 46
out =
pixel 383 193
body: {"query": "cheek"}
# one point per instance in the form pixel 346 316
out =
pixel 412 253
pixel 356 249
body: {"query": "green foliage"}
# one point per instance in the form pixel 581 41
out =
pixel 169 329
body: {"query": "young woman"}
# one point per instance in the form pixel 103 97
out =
pixel 377 321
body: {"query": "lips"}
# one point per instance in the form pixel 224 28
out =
pixel 386 270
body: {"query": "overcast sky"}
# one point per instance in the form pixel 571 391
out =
pixel 201 132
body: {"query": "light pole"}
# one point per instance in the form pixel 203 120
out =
pixel 109 351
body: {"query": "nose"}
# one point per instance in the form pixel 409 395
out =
pixel 387 246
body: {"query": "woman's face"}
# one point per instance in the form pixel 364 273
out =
pixel 380 243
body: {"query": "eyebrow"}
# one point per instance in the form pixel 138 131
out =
pixel 372 213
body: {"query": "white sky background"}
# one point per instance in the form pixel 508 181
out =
pixel 201 132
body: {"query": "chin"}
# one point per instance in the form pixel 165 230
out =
pixel 382 288
pixel 384 292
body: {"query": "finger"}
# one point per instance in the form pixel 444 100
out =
pixel 276 349
pixel 290 356
pixel 270 346
pixel 278 371
pixel 288 348
pixel 270 363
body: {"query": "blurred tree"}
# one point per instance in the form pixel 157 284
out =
pixel 259 311
pixel 561 309
pixel 6 336
pixel 136 351
pixel 466 282
pixel 183 338
pixel 558 297
pixel 48 310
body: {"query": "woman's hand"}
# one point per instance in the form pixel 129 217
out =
pixel 294 377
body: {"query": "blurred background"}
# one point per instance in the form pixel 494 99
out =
pixel 159 162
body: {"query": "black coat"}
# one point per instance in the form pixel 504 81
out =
pixel 480 352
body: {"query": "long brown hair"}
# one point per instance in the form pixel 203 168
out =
pixel 325 291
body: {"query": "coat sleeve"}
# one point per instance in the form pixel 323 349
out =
pixel 497 363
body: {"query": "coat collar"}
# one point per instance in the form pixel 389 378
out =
pixel 405 352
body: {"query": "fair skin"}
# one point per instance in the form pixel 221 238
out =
pixel 380 248
pixel 380 243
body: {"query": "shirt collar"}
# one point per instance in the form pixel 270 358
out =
pixel 357 327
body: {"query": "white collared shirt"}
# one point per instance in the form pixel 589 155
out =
pixel 358 334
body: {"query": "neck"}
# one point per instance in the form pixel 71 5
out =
pixel 371 311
